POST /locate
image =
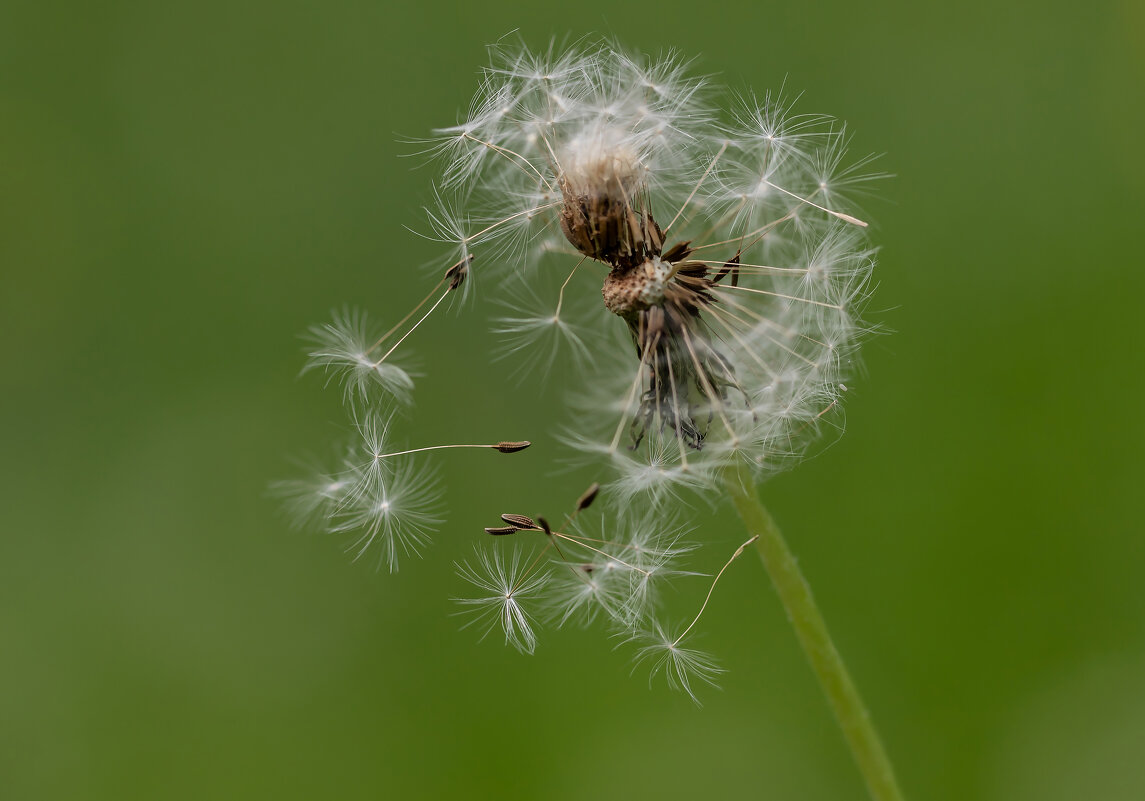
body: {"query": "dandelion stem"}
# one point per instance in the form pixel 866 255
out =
pixel 805 617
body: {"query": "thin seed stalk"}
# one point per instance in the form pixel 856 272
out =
pixel 795 595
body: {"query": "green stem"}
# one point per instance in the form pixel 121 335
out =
pixel 804 615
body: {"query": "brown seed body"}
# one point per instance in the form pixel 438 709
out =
pixel 520 521
pixel 605 227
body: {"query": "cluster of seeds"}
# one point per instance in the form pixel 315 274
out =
pixel 730 268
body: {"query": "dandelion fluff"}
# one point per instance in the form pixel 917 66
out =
pixel 735 262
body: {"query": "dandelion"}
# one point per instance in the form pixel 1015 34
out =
pixel 705 266
pixel 727 256
pixel 730 250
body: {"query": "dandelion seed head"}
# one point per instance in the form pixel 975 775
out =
pixel 734 260
pixel 693 266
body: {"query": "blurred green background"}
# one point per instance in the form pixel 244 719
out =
pixel 185 187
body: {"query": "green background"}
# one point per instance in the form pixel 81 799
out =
pixel 185 187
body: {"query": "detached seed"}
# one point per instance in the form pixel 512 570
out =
pixel 588 497
pixel 458 272
pixel 521 522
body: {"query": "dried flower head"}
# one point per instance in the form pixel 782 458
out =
pixel 730 268
pixel 726 242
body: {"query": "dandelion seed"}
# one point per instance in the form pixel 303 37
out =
pixel 536 335
pixel 387 499
pixel 507 589
pixel 394 514
pixel 623 561
pixel 314 499
pixel 501 531
pixel 523 522
pixel 342 348
pixel 586 591
pixel 586 499
pixel 682 666
pixel 653 546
